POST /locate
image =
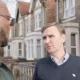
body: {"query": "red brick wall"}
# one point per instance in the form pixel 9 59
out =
pixel 50 7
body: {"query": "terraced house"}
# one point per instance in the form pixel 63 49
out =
pixel 68 14
pixel 25 40
pixel 15 48
pixel 40 14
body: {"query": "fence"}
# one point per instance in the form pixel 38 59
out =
pixel 26 71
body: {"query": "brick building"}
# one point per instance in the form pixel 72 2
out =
pixel 68 15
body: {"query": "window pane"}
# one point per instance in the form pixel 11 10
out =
pixel 72 7
pixel 73 51
pixel 9 50
pixel 36 22
pixel 8 53
pixel 26 25
pixel 8 47
pixel 38 41
pixel 20 53
pixel 66 8
pixel 66 4
pixel 73 40
pixel 72 3
pixel 19 45
pixel 38 51
pixel 39 16
pixel 38 48
pixel 31 47
pixel 72 11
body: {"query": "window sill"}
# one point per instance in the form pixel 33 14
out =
pixel 68 19
pixel 37 29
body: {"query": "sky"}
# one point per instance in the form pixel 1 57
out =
pixel 28 0
pixel 12 6
pixel 25 0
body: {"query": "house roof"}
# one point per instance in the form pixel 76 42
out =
pixel 23 7
pixel 4 9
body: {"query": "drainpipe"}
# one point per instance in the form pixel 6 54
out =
pixel 57 11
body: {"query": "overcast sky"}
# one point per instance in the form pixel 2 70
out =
pixel 25 0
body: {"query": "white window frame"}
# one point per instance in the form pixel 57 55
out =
pixel 26 25
pixel 38 19
pixel 29 24
pixel 10 33
pixel 30 48
pixel 20 28
pixel 38 3
pixel 69 10
pixel 37 46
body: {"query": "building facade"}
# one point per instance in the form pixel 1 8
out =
pixel 68 15
pixel 40 14
pixel 25 37
pixel 16 46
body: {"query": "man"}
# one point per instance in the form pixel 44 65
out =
pixel 5 21
pixel 60 65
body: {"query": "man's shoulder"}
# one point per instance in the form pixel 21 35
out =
pixel 75 58
pixel 4 66
pixel 43 60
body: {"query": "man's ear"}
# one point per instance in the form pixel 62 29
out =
pixel 63 38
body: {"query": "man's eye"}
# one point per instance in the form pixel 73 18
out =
pixel 8 18
pixel 44 38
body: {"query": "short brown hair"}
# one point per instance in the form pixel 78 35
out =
pixel 59 27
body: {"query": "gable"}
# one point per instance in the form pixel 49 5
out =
pixel 34 5
pixel 38 4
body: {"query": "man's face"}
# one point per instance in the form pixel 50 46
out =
pixel 53 40
pixel 4 30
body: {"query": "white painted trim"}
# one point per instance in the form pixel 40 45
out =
pixel 26 17
pixel 71 24
pixel 37 3
pixel 34 33
pixel 31 5
pixel 70 31
pixel 37 29
pixel 69 19
pixel 34 38
pixel 20 21
pixel 36 14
